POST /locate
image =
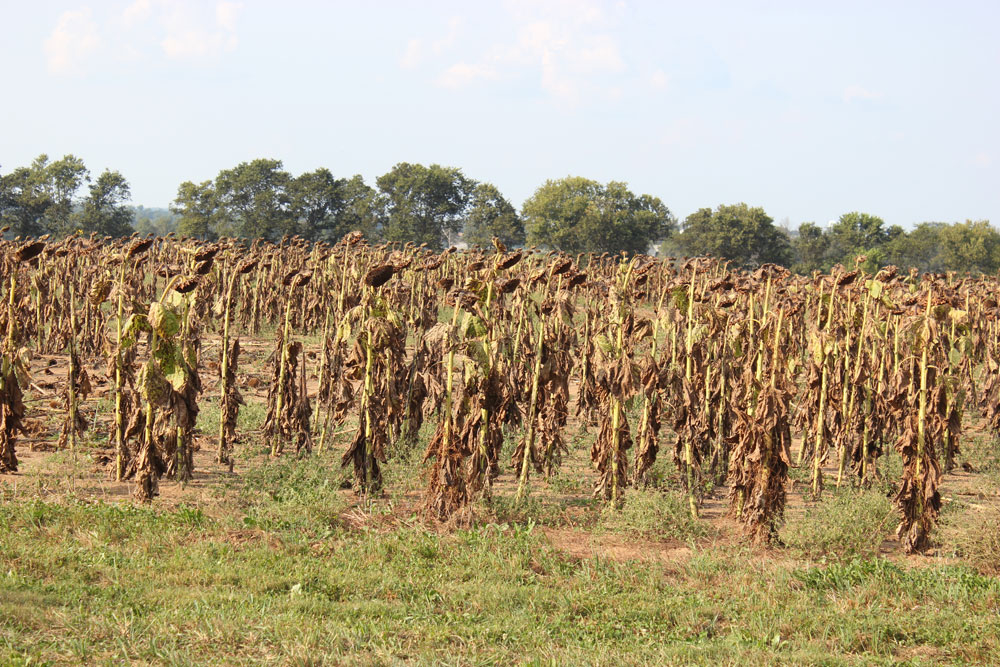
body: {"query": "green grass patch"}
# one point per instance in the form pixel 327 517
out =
pixel 843 526
pixel 654 514
pixel 121 584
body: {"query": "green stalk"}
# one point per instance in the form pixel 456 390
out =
pixel 322 367
pixel 277 444
pixel 922 409
pixel 181 453
pixel 847 401
pixel 119 380
pixel 366 397
pixel 646 401
pixel 688 374
pixel 449 396
pixel 72 368
pixel 221 455
pixel 532 412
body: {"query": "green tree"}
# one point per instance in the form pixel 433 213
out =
pixel 41 198
pixel 423 204
pixel 742 234
pixel 490 214
pixel 198 208
pixel 920 248
pixel 856 234
pixel 254 200
pixel 105 210
pixel 319 203
pixel 577 214
pixel 809 248
pixel 360 209
pixel 971 247
pixel 24 201
pixel 63 178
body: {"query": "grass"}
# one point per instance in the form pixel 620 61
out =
pixel 975 538
pixel 108 583
pixel 654 514
pixel 844 525
pixel 281 564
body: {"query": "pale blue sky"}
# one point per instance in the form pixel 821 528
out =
pixel 808 109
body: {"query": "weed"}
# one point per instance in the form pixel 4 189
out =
pixel 843 526
pixel 654 514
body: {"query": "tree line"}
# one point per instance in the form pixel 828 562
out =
pixel 440 206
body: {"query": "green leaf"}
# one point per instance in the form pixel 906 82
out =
pixel 479 353
pixel 176 377
pixel 134 325
pixel 163 320
pixel 680 296
pixel 607 347
pixel 152 385
pixel 472 326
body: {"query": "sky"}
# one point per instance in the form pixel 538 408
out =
pixel 809 109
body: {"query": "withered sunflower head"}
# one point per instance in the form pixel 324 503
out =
pixel 206 254
pixel 509 260
pixel 508 286
pixel 138 248
pixel 379 275
pixel 463 298
pixel 561 266
pixel 29 251
pixel 186 284
pixel 246 266
pixel 847 278
pixel 302 279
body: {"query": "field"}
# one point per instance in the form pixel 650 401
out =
pixel 470 458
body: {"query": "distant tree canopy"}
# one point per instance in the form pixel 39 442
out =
pixel 743 234
pixel 423 204
pixel 970 246
pixel 855 235
pixel 105 211
pixel 440 206
pixel 489 215
pixel 580 215
pixel 413 203
pixel 41 198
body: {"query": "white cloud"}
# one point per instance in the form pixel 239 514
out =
pixel 74 39
pixel 983 159
pixel 855 92
pixel 446 42
pixel 136 13
pixel 226 14
pixel 413 54
pixel 659 80
pixel 190 36
pixel 183 29
pixel 461 74
pixel 566 44
pixel 417 50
